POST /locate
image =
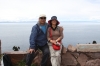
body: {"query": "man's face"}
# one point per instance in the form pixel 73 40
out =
pixel 42 20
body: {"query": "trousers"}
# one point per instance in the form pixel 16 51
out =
pixel 55 55
pixel 46 55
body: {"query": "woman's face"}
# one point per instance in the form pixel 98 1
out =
pixel 54 22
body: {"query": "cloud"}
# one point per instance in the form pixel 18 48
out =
pixel 70 10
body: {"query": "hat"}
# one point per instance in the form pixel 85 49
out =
pixel 53 18
pixel 42 15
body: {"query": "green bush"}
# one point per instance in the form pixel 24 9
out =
pixel 22 63
pixel 1 57
pixel 15 48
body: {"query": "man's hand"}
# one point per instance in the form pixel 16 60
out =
pixel 31 50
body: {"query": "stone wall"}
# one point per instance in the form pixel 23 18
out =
pixel 75 59
pixel 80 59
pixel 71 56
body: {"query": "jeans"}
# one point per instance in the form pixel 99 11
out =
pixel 46 55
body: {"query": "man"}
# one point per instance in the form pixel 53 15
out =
pixel 38 40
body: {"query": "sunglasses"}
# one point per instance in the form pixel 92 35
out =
pixel 42 17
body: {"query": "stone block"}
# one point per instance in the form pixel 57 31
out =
pixel 75 54
pixel 95 55
pixel 95 62
pixel 71 48
pixel 68 59
pixel 88 47
pixel 82 59
pixel 64 49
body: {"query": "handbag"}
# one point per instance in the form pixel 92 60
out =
pixel 55 47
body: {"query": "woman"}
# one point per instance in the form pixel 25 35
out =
pixel 55 36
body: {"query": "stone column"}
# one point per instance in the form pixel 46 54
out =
pixel 0 52
pixel 0 47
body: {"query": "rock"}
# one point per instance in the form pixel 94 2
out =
pixel 93 62
pixel 71 48
pixel 64 49
pixel 75 54
pixel 82 59
pixel 90 63
pixel 94 55
pixel 68 59
pixel 88 47
pixel 37 59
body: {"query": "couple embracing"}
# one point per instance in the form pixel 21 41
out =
pixel 48 38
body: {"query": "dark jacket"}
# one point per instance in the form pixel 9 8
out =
pixel 37 37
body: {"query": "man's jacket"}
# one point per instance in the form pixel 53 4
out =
pixel 38 37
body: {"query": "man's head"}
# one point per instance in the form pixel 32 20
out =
pixel 42 19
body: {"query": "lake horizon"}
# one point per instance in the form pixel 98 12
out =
pixel 17 34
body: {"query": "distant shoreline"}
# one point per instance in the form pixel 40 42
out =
pixel 60 21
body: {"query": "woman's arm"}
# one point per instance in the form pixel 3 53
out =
pixel 61 35
pixel 48 35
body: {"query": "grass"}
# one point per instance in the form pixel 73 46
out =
pixel 22 63
pixel 1 56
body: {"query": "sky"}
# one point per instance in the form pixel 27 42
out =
pixel 65 10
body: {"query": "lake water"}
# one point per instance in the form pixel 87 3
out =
pixel 17 34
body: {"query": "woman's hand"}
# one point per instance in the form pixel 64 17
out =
pixel 53 41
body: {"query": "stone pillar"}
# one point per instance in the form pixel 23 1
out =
pixel 0 47
pixel 0 52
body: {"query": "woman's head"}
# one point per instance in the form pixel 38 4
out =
pixel 54 21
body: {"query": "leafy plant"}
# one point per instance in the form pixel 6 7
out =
pixel 15 48
pixel 33 65
pixel 1 57
pixel 94 42
pixel 22 63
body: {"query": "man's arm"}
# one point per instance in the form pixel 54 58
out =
pixel 33 37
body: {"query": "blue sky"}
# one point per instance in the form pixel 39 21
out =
pixel 65 10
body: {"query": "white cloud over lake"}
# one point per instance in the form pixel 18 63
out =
pixel 70 10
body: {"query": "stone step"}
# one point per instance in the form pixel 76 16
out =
pixel 88 47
